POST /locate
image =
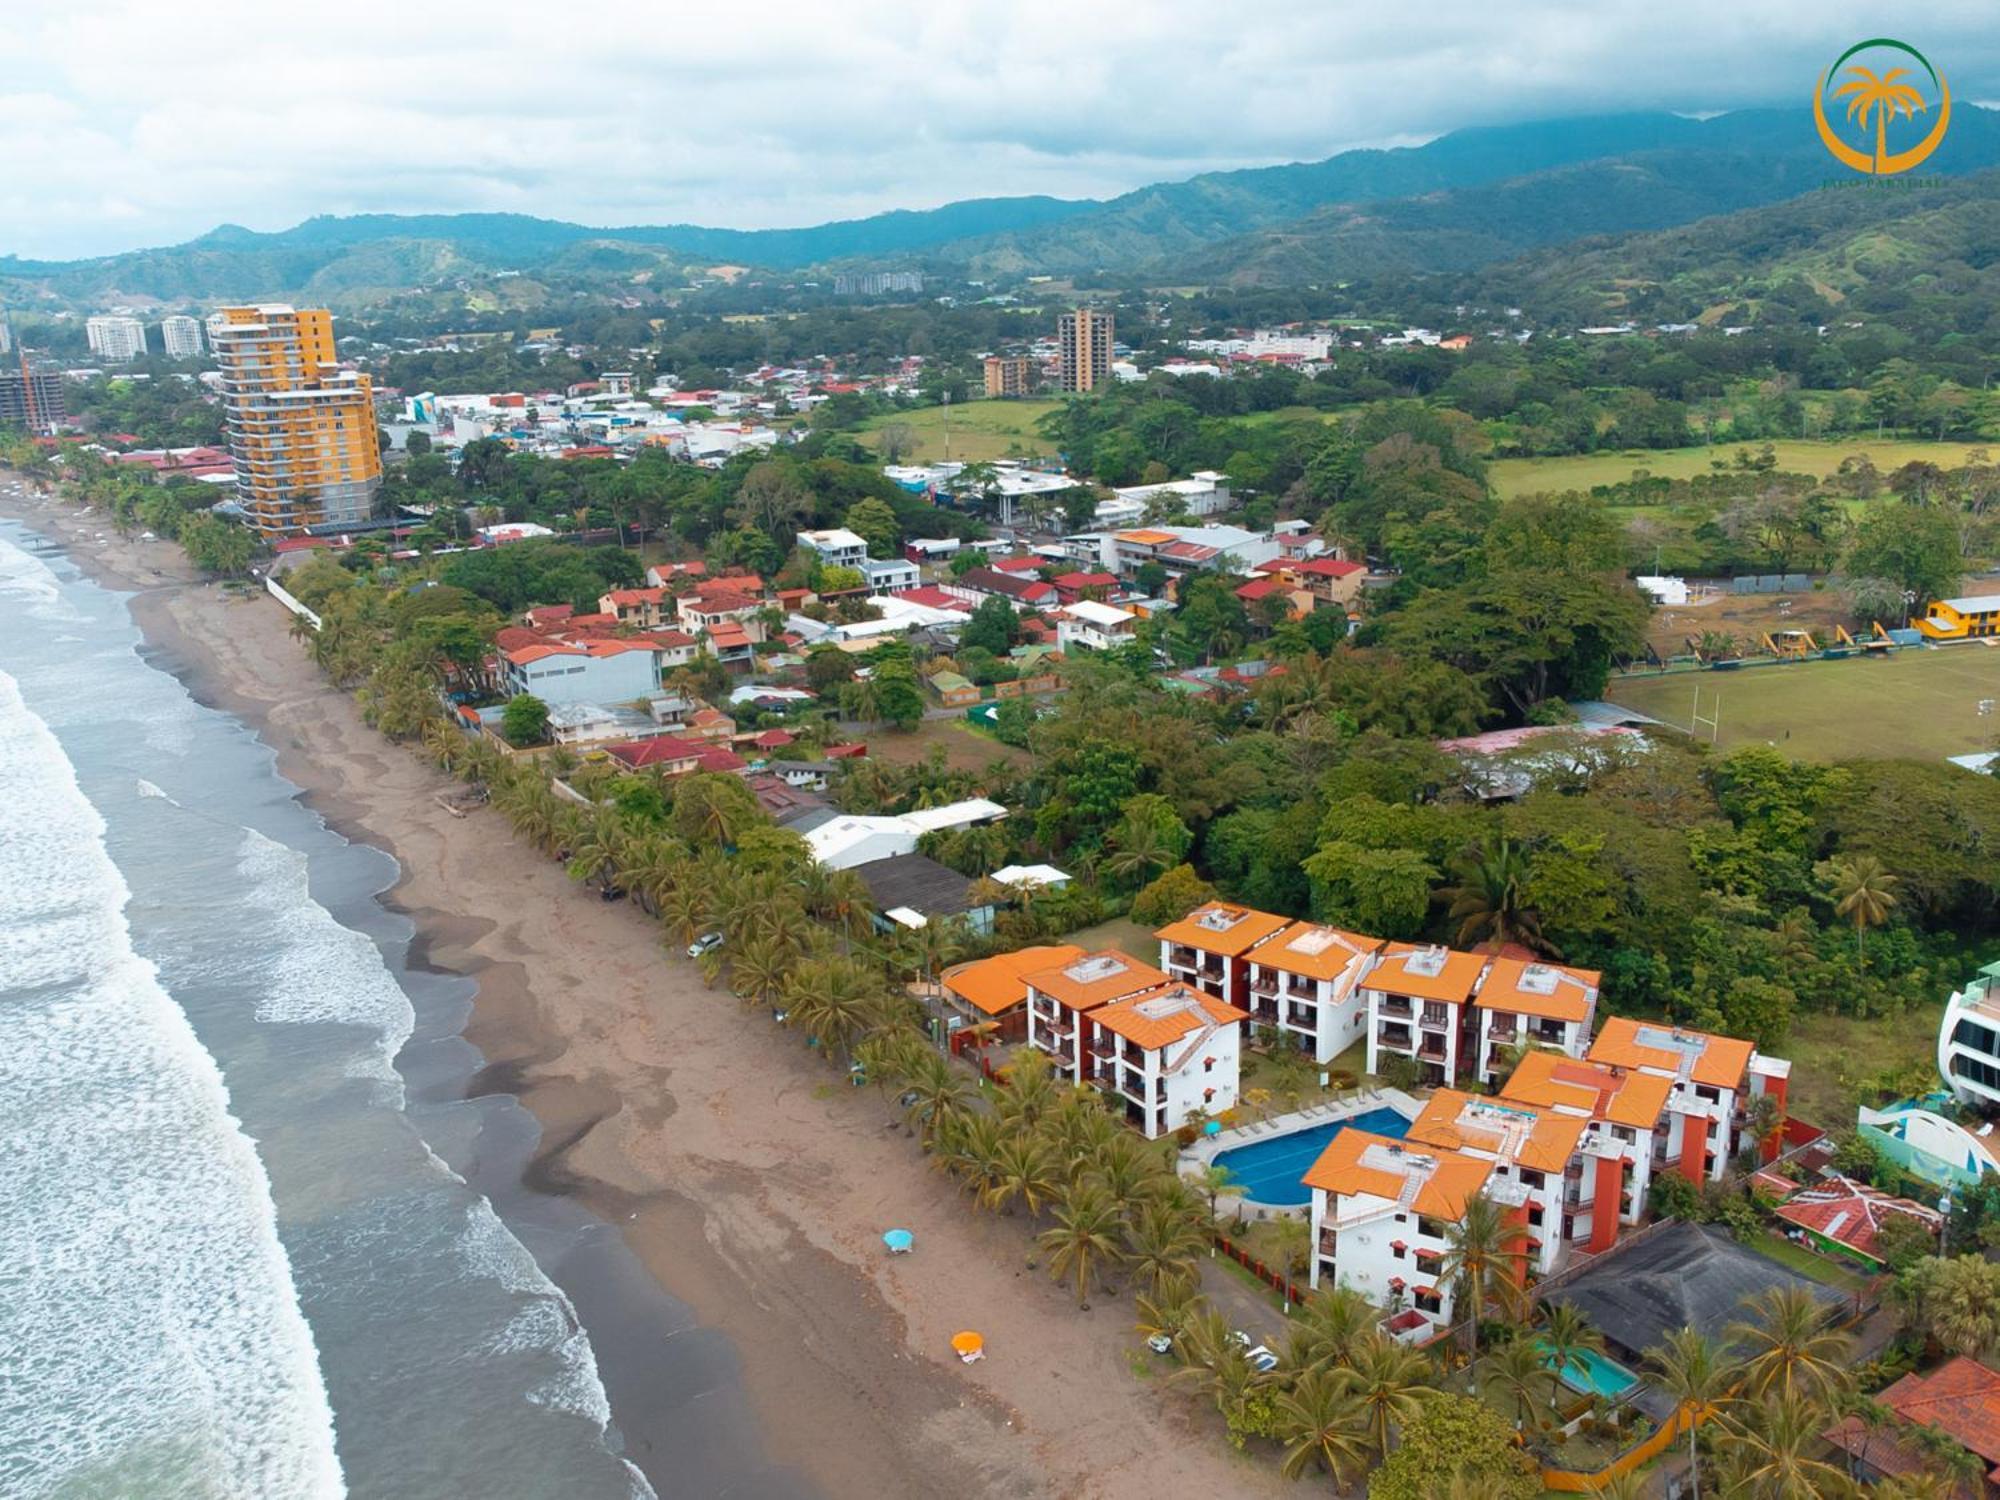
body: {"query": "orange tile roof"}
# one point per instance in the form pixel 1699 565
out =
pixel 1512 1130
pixel 1096 979
pixel 1624 1097
pixel 1222 928
pixel 1453 981
pixel 1159 1018
pixel 996 985
pixel 1347 1167
pixel 1146 538
pixel 1506 987
pixel 1625 1043
pixel 1313 951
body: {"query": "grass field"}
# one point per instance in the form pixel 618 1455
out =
pixel 1836 1059
pixel 981 431
pixel 1526 476
pixel 1916 704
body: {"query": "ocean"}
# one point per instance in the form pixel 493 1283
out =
pixel 240 1255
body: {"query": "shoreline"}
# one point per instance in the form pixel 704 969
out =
pixel 734 1174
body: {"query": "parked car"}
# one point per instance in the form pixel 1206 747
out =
pixel 708 942
pixel 1161 1343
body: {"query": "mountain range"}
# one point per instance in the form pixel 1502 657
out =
pixel 1467 199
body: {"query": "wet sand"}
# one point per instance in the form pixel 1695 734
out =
pixel 751 1183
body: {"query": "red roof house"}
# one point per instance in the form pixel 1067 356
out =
pixel 1959 1402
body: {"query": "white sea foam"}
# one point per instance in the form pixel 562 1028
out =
pixel 147 789
pixel 154 1340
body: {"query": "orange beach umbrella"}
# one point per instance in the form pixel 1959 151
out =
pixel 969 1345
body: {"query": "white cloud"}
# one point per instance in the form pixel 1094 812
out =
pixel 125 122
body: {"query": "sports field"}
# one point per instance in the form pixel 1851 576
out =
pixel 981 431
pixel 1915 704
pixel 1526 476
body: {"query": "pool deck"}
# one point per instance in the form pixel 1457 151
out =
pixel 1196 1158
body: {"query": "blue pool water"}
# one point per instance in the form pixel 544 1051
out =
pixel 1591 1374
pixel 1272 1171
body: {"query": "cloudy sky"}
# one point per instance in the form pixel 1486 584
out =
pixel 140 122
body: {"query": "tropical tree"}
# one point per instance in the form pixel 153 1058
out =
pixel 1329 1326
pixel 1085 1243
pixel 1770 1446
pixel 1692 1370
pixel 1391 1381
pixel 1162 1245
pixel 759 969
pixel 1030 1089
pixel 1487 901
pixel 942 1096
pixel 1566 1337
pixel 1788 1350
pixel 1864 894
pixel 1520 1369
pixel 833 999
pixel 1323 1423
pixel 1483 1260
pixel 1024 1171
pixel 1213 1181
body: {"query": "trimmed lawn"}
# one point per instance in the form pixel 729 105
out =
pixel 980 431
pixel 1918 704
pixel 1527 476
pixel 1807 1263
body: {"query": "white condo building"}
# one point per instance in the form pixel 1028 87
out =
pixel 115 338
pixel 180 336
pixel 1305 982
pixel 1969 1042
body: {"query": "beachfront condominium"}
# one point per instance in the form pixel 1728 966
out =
pixel 301 429
pixel 1085 340
pixel 1969 1042
pixel 31 396
pixel 114 338
pixel 180 336
pixel 1713 1083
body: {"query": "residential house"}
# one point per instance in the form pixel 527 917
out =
pixel 1418 998
pixel 1297 602
pixel 1623 1110
pixel 674 755
pixel 1381 1209
pixel 1522 1002
pixel 1305 983
pixel 1079 585
pixel 836 548
pixel 911 890
pixel 1957 1405
pixel 1205 493
pixel 1090 626
pixel 995 990
pixel 1329 582
pixel 644 608
pixel 977 584
pixel 594 671
pixel 1170 1056
pixel 885 576
pixel 677 647
pixel 1210 948
pixel 852 839
pixel 1714 1080
pixel 703 610
pixel 928 549
pixel 1185 550
pixel 1843 1217
pixel 1059 997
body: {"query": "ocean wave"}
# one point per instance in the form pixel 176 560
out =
pixel 155 1341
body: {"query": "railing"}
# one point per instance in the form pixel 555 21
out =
pixel 1400 1040
pixel 1393 1006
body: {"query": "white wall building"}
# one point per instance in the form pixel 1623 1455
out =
pixel 1060 998
pixel 836 547
pixel 1306 982
pixel 115 338
pixel 1205 493
pixel 1712 1083
pixel 1416 1003
pixel 1522 1002
pixel 1169 1056
pixel 589 672
pixel 180 336
pixel 851 839
pixel 886 575
pixel 1969 1042
pixel 1091 626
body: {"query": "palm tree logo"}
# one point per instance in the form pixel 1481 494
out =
pixel 1876 98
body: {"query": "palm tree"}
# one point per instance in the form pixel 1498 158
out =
pixel 1329 1326
pixel 1694 1372
pixel 1323 1423
pixel 1631 1485
pixel 1030 1089
pixel 942 1096
pixel 1022 1169
pixel 1140 854
pixel 1882 97
pixel 1521 1370
pixel 1787 1349
pixel 974 1152
pixel 1214 1181
pixel 1084 1244
pixel 1770 1448
pixel 1483 1258
pixel 1391 1382
pixel 1487 903
pixel 685 909
pixel 1863 893
pixel 833 999
pixel 1124 1165
pixel 1567 1336
pixel 1163 1245
pixel 758 970
pixel 1168 1310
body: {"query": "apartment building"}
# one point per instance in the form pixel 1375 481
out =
pixel 1090 626
pixel 115 339
pixel 180 336
pixel 587 672
pixel 1305 982
pixel 1524 1003
pixel 1418 1000
pixel 1009 376
pixel 1381 1211
pixel 1536 1153
pixel 301 429
pixel 1210 948
pixel 1712 1083
pixel 1084 339
pixel 1060 998
pixel 836 547
pixel 1969 1042
pixel 1623 1114
pixel 1169 1056
pixel 32 397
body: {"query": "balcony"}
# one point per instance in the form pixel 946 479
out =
pixel 1436 1018
pixel 1263 982
pixel 1305 1017
pixel 1432 1050
pixel 1180 956
pixel 1104 1046
pixel 1329 1243
pixel 1394 1007
pixel 1397 1037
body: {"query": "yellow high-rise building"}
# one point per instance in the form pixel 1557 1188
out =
pixel 301 429
pixel 1084 337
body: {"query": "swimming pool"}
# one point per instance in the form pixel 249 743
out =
pixel 1591 1374
pixel 1272 1171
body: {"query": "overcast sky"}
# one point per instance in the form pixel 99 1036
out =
pixel 141 122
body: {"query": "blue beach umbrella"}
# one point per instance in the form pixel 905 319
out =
pixel 899 1241
pixel 1213 1127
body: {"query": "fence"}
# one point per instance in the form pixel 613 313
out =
pixel 1771 583
pixel 1284 1286
pixel 278 591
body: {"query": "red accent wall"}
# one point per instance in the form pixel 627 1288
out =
pixel 1694 1147
pixel 1609 1191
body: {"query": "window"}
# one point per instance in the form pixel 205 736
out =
pixel 1969 1033
pixel 1399 1250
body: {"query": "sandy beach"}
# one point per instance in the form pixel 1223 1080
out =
pixel 751 1182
